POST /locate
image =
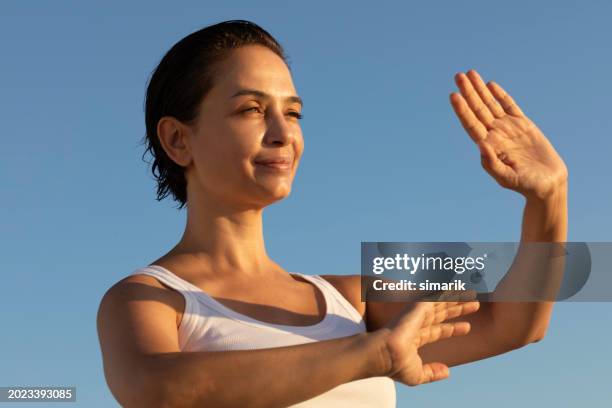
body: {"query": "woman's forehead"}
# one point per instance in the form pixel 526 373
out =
pixel 255 68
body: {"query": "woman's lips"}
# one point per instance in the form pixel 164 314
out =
pixel 281 163
pixel 278 166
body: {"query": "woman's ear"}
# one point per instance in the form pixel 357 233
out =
pixel 174 140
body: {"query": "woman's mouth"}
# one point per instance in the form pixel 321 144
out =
pixel 281 163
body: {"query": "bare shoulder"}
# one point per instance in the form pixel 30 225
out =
pixel 350 287
pixel 137 304
pixel 144 288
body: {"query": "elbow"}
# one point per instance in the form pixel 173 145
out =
pixel 531 337
pixel 537 335
pixel 513 341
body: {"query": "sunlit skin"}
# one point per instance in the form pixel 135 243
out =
pixel 252 113
pixel 222 180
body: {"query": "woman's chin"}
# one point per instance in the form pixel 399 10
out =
pixel 277 192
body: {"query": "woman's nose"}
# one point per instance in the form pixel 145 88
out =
pixel 278 131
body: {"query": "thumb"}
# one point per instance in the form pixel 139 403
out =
pixel 487 155
pixel 491 163
pixel 435 372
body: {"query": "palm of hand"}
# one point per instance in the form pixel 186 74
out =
pixel 424 324
pixel 513 150
pixel 416 372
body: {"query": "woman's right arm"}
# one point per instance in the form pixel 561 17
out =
pixel 144 366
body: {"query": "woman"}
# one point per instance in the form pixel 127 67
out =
pixel 216 322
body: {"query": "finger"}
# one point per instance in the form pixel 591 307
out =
pixel 484 93
pixel 428 314
pixel 415 315
pixel 504 99
pixel 460 309
pixel 434 372
pixel 453 301
pixel 443 307
pixel 442 331
pixel 469 121
pixel 449 310
pixel 452 298
pixel 503 148
pixel 491 162
pixel 474 101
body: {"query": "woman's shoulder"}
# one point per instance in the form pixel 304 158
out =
pixel 349 287
pixel 140 287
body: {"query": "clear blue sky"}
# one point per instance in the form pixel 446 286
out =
pixel 78 209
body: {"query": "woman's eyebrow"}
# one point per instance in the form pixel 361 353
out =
pixel 264 95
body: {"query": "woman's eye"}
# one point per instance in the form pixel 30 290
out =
pixel 256 109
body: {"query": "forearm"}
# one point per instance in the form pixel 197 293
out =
pixel 273 377
pixel 543 221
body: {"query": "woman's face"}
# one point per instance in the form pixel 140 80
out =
pixel 250 116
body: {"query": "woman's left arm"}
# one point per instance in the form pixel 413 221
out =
pixel 519 157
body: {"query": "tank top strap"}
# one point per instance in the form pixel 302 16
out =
pixel 166 278
pixel 338 297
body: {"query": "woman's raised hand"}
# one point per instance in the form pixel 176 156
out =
pixel 513 150
pixel 421 323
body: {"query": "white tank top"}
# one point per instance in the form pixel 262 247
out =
pixel 208 325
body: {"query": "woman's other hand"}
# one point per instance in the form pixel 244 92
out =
pixel 421 323
pixel 513 150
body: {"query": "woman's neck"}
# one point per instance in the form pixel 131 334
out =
pixel 225 241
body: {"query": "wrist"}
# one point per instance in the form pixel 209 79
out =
pixel 379 358
pixel 553 198
pixel 545 219
pixel 552 204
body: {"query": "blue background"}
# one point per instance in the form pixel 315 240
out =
pixel 385 160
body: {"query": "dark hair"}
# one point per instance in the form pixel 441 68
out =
pixel 181 80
